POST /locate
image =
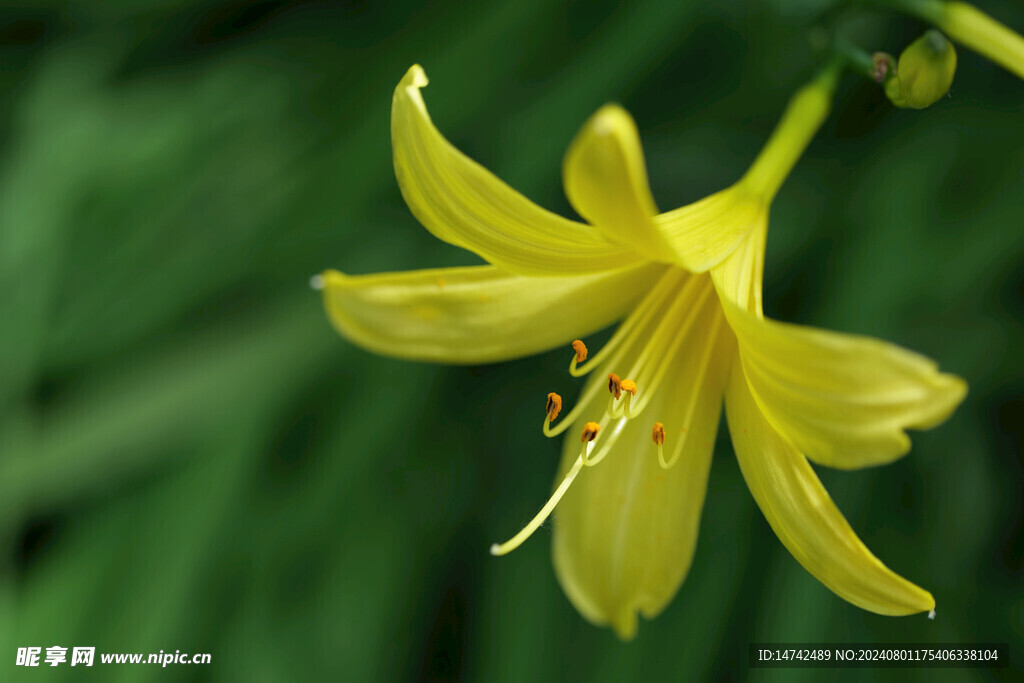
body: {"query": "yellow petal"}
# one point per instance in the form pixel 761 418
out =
pixel 704 233
pixel 843 400
pixel 476 314
pixel 804 517
pixel 606 181
pixel 625 532
pixel 462 203
pixel 738 278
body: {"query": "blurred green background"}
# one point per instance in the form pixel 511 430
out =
pixel 191 459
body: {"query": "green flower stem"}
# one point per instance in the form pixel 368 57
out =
pixel 804 115
pixel 929 10
pixel 854 58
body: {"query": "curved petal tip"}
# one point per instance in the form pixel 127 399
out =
pixel 415 77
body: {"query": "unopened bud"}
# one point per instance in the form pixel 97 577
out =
pixel 924 72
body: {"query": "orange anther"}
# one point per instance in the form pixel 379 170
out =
pixel 614 385
pixel 554 406
pixel 590 431
pixel 658 433
pixel 581 350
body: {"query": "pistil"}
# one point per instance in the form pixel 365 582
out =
pixel 587 437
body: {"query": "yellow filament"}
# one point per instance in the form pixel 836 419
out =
pixel 633 325
pixel 631 328
pixel 620 408
pixel 581 355
pixel 675 455
pixel 629 387
pixel 658 436
pixel 653 309
pixel 662 368
pixel 551 410
pixel 549 507
pixel 666 326
pixel 573 414
pixel 607 441
pixel 695 387
pixel 666 342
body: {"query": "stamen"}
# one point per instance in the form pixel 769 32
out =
pixel 696 386
pixel 637 328
pixel 658 348
pixel 669 340
pixel 551 410
pixel 581 355
pixel 615 389
pixel 554 406
pixel 621 408
pixel 581 350
pixel 614 386
pixel 608 440
pixel 588 394
pixel 635 324
pixel 658 433
pixel 590 431
pixel 658 436
pixel 628 386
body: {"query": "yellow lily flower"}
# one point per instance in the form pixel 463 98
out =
pixel 688 285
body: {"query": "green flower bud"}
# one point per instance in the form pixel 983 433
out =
pixel 924 72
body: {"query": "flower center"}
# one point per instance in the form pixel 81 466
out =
pixel 644 347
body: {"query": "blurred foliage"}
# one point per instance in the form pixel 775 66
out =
pixel 191 459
